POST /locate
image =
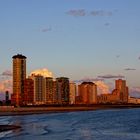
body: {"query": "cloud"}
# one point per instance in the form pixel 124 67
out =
pixel 77 13
pixel 101 13
pixel 6 81
pixel 107 24
pixel 102 87
pixel 134 92
pixel 129 69
pixel 108 76
pixel 7 73
pixel 83 12
pixel 117 56
pixel 43 72
pixel 135 89
pixel 139 57
pixel 88 80
pixel 5 85
pixel 46 29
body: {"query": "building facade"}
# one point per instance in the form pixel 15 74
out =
pixel 118 96
pixel 19 75
pixel 133 100
pixel 50 88
pixel 39 89
pixel 72 94
pixel 87 92
pixel 62 90
pixel 28 92
pixel 120 85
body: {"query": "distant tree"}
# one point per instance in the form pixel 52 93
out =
pixel 8 102
pixel 1 103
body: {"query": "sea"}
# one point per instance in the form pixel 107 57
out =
pixel 114 124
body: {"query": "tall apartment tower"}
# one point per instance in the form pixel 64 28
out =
pixel 49 87
pixel 39 89
pixel 122 90
pixel 28 91
pixel 72 93
pixel 19 75
pixel 62 90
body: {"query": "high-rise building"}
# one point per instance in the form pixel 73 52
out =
pixel 19 75
pixel 72 94
pixel 39 89
pixel 28 92
pixel 122 90
pixel 87 92
pixel 55 100
pixel 62 90
pixel 50 90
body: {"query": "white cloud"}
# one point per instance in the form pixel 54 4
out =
pixel 102 87
pixel 43 72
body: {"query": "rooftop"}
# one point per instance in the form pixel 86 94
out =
pixel 19 56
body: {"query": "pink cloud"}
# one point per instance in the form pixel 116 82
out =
pixel 135 91
pixel 7 73
pixel 6 85
pixel 6 81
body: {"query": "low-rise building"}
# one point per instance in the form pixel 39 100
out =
pixel 118 95
pixel 87 93
pixel 134 100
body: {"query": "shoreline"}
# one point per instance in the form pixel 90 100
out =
pixel 42 110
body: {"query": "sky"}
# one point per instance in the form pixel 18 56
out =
pixel 79 39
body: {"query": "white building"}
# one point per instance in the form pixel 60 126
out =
pixel 72 93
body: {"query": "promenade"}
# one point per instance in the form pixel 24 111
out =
pixel 6 111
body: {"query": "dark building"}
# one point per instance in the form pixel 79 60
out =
pixel 50 91
pixel 7 96
pixel 62 90
pixel 28 92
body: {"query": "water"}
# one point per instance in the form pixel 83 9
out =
pixel 89 125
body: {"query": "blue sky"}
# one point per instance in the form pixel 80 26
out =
pixel 74 38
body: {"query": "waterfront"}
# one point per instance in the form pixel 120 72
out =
pixel 118 124
pixel 11 110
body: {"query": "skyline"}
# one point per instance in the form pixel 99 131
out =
pixel 99 38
